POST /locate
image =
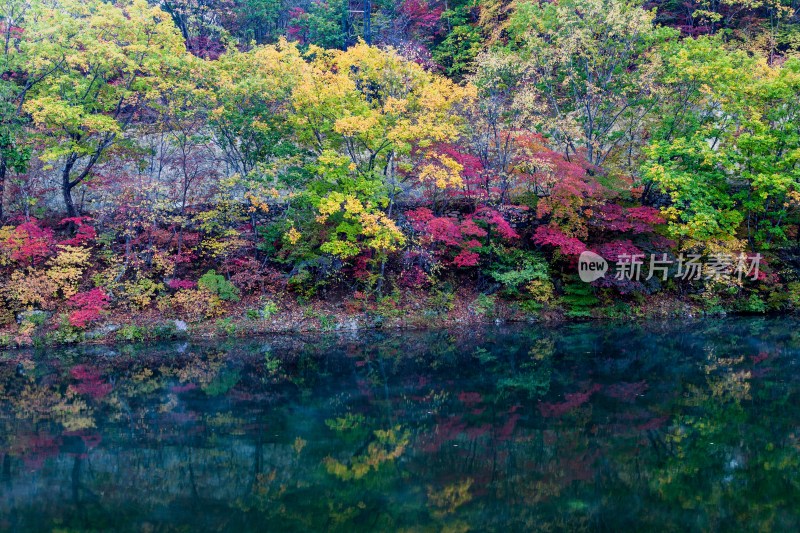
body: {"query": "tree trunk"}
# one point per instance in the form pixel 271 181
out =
pixel 66 191
pixel 3 168
pixel 368 22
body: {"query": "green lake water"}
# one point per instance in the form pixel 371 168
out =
pixel 596 427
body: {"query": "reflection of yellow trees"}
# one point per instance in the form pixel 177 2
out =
pixel 73 412
pixel 389 444
pixel 729 383
pixel 720 445
pixel 201 371
pixel 45 403
pixel 450 498
pixel 299 444
pixel 226 423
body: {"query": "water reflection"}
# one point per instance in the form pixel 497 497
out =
pixel 597 427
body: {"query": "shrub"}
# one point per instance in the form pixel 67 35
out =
pixel 140 294
pixel 579 299
pixel 27 243
pixel 540 291
pixel 218 286
pixel 226 326
pixel 303 284
pixel 794 294
pixel 193 305
pixel 754 304
pixel 270 308
pixel 131 333
pixel 67 267
pixel 515 269
pixel 389 305
pixel 164 331
pixel 441 300
pixel 30 289
pixel 247 274
pixel 6 316
pixel 327 322
pixel 89 306
pixel 484 305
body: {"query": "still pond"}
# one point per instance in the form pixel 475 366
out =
pixel 591 427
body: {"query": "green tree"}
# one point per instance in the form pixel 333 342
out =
pixel 14 86
pixel 109 61
pixel 728 147
pixel 588 71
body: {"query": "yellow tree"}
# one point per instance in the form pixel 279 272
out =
pixel 252 99
pixel 109 62
pixel 369 116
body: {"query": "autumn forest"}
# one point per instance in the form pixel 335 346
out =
pixel 222 167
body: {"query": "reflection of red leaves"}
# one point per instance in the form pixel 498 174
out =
pixel 762 356
pixel 455 426
pixel 508 428
pixel 90 382
pixel 84 372
pixel 88 441
pixel 94 389
pixel 469 398
pixel 35 448
pixel 573 401
pixel 364 389
pixel 92 441
pixel 474 432
pixel 452 428
pixel 177 389
pixel 655 423
pixel 445 431
pixel 181 417
pixel 626 392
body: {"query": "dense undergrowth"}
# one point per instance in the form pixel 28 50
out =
pixel 165 176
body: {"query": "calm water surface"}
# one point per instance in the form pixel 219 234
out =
pixel 599 427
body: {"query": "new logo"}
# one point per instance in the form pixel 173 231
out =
pixel 591 266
